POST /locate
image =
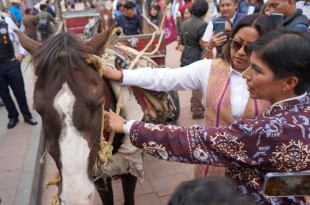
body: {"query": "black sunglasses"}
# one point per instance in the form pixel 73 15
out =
pixel 237 46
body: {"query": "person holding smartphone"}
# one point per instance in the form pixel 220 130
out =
pixel 228 10
pixel 276 141
pixel 220 35
pixel 293 18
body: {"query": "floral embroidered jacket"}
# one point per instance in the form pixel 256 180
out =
pixel 277 141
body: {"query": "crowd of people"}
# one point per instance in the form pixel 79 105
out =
pixel 249 83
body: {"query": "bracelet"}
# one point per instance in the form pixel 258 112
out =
pixel 122 75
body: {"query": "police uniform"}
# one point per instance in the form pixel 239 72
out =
pixel 10 74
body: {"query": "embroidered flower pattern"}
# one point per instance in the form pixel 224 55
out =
pixel 248 129
pixel 152 148
pixel 244 174
pixel 200 155
pixel 275 127
pixel 152 127
pixel 228 145
pixel 291 157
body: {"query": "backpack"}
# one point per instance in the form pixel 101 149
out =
pixel 42 25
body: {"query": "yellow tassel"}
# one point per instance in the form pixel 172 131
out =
pixel 95 60
pixel 55 181
pixel 105 153
pixel 55 200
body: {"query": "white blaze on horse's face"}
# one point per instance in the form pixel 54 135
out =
pixel 77 188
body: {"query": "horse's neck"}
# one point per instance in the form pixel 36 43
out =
pixel 109 96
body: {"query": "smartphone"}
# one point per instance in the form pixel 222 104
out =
pixel 286 184
pixel 278 18
pixel 251 10
pixel 219 26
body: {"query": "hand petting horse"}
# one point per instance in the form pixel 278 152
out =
pixel 69 95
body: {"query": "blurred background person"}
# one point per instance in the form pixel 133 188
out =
pixel 129 20
pixel 304 5
pixel 292 17
pixel 250 6
pixel 154 15
pixel 30 22
pixel 214 48
pixel 118 11
pixel 11 74
pixel 16 12
pixel 5 12
pixel 227 10
pixel 44 23
pixel 50 9
pixel 192 31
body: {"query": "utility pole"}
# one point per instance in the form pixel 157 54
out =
pixel 58 10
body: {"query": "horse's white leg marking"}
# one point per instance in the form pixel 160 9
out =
pixel 74 152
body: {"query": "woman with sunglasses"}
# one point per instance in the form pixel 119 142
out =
pixel 224 91
pixel 277 141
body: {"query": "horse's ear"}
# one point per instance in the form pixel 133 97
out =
pixel 29 44
pixel 98 42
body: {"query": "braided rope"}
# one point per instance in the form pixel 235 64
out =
pixel 55 181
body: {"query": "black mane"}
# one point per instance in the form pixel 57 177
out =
pixel 65 48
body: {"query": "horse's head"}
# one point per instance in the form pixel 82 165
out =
pixel 106 18
pixel 68 95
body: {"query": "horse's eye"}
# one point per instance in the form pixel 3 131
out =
pixel 99 106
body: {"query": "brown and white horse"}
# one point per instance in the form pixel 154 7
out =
pixel 68 95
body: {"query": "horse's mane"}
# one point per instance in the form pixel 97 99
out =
pixel 65 48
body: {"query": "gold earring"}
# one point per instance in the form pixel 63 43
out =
pixel 284 90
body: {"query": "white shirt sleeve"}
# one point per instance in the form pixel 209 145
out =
pixel 14 38
pixel 127 127
pixel 208 33
pixel 192 77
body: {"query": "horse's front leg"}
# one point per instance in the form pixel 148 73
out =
pixel 104 188
pixel 129 185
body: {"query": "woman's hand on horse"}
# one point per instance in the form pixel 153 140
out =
pixel 113 122
pixel 111 74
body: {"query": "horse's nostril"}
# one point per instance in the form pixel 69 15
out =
pixel 90 198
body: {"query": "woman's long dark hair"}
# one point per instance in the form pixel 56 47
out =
pixel 262 23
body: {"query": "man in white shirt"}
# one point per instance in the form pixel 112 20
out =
pixel 228 10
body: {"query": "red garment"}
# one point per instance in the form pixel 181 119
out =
pixel 277 141
pixel 183 7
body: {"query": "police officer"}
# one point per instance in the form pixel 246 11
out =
pixel 10 74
